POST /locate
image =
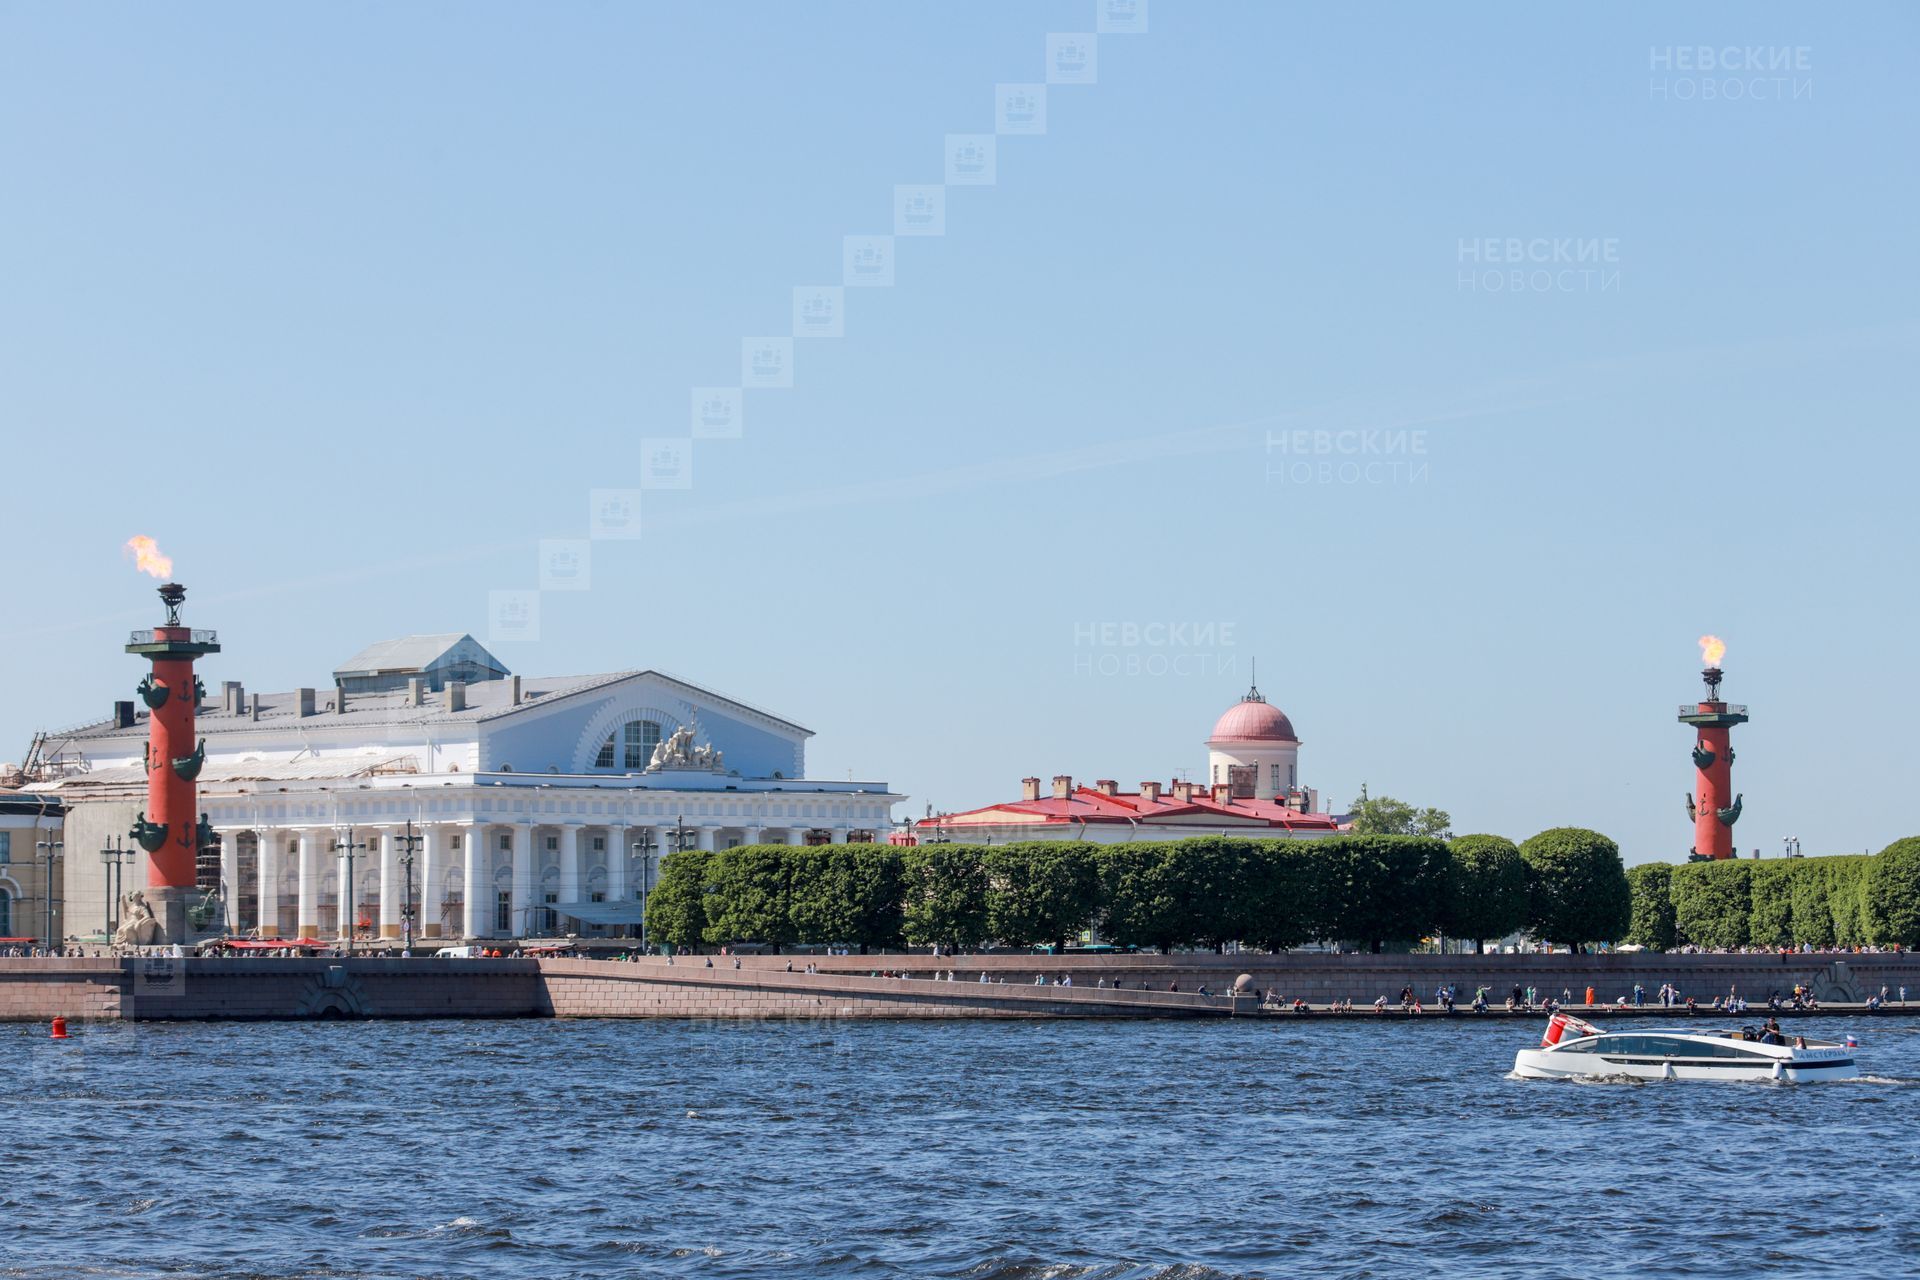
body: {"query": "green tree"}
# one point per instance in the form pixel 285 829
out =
pixel 1385 816
pixel 1650 923
pixel 749 895
pixel 1576 887
pixel 1141 897
pixel 1380 888
pixel 1041 892
pixel 1486 889
pixel 1810 903
pixel 676 909
pixel 1893 893
pixel 1281 898
pixel 1770 890
pixel 1713 902
pixel 846 893
pixel 946 896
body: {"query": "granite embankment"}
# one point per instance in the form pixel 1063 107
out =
pixel 869 986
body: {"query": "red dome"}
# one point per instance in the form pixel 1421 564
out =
pixel 1253 719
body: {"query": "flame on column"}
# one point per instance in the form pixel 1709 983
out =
pixel 147 557
pixel 1712 649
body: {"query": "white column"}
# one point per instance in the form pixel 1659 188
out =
pixel 343 911
pixel 750 835
pixel 522 919
pixel 389 882
pixel 267 872
pixel 426 874
pixel 797 835
pixel 706 838
pixel 476 911
pixel 230 878
pixel 570 863
pixel 619 853
pixel 308 917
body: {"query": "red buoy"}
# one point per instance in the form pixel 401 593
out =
pixel 59 1028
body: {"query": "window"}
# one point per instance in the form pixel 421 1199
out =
pixel 596 896
pixel 6 914
pixel 1273 776
pixel 503 912
pixel 6 855
pixel 506 843
pixel 550 919
pixel 1292 782
pixel 553 842
pixel 454 844
pixel 599 844
pixel 633 742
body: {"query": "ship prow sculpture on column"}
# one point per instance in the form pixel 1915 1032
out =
pixel 169 829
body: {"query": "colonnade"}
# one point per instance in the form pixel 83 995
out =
pixel 624 865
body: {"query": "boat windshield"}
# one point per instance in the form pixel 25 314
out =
pixel 1657 1046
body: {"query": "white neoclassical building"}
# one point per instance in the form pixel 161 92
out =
pixel 429 778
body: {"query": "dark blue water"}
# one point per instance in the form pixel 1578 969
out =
pixel 944 1149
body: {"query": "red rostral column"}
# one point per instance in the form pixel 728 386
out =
pixel 1713 806
pixel 169 828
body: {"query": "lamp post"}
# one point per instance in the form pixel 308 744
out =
pixel 647 853
pixel 48 850
pixel 114 856
pixel 409 845
pixel 347 848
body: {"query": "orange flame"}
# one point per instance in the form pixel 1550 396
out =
pixel 1712 649
pixel 147 557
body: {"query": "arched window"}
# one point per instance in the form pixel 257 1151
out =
pixel 6 914
pixel 631 744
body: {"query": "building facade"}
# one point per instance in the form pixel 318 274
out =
pixel 31 829
pixel 499 807
pixel 1253 788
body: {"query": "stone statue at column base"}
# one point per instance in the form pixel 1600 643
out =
pixel 138 925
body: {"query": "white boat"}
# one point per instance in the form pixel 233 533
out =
pixel 1572 1047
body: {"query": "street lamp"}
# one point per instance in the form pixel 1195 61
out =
pixel 48 850
pixel 409 844
pixel 1792 844
pixel 645 847
pixel 114 857
pixel 347 848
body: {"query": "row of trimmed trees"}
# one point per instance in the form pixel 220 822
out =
pixel 1372 891
pixel 1852 901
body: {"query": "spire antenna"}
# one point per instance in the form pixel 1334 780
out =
pixel 1253 678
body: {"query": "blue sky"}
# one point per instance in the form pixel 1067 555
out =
pixel 351 306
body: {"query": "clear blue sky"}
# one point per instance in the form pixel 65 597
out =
pixel 351 305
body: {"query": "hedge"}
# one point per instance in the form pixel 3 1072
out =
pixel 1368 891
pixel 1846 900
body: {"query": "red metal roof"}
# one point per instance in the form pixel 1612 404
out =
pixel 1088 805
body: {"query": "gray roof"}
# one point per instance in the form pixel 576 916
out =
pixel 485 699
pixel 408 653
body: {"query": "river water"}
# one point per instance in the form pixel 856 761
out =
pixel 975 1149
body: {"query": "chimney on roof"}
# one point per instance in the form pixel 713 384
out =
pixel 416 690
pixel 456 695
pixel 1150 792
pixel 340 700
pixel 232 700
pixel 1106 786
pixel 1062 785
pixel 1182 792
pixel 1029 787
pixel 253 707
pixel 1222 793
pixel 305 698
pixel 123 715
pixel 513 691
